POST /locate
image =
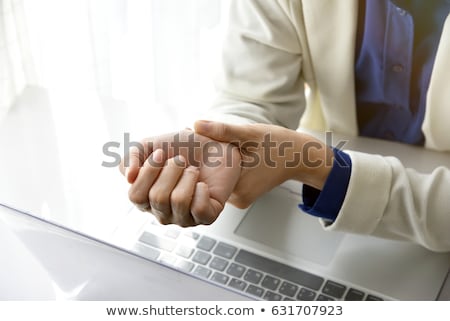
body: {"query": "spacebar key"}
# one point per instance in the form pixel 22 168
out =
pixel 157 241
pixel 280 270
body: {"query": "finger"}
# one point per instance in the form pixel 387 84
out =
pixel 222 132
pixel 132 162
pixel 138 192
pixel 204 209
pixel 159 194
pixel 143 207
pixel 181 197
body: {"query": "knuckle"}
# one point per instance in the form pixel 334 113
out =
pixel 183 220
pixel 179 200
pixel 158 199
pixel 162 218
pixel 185 224
pixel 203 216
pixel 136 197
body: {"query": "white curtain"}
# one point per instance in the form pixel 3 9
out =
pixel 155 56
pixel 16 64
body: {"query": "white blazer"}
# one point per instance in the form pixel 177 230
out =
pixel 273 48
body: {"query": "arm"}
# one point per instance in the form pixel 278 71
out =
pixel 261 76
pixel 264 70
pixel 271 155
pixel 383 198
pixel 388 200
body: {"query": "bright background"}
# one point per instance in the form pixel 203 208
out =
pixel 76 74
pixel 157 57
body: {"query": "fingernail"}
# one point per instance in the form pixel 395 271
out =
pixel 157 156
pixel 126 172
pixel 193 169
pixel 156 159
pixel 180 161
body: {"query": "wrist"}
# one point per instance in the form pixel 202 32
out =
pixel 316 162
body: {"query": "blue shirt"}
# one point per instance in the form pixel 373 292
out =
pixel 395 52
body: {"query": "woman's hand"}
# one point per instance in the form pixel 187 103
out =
pixel 182 178
pixel 270 155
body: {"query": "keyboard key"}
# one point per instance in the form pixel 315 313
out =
pixel 253 276
pixel 201 257
pixel 287 299
pixel 373 298
pixel 270 296
pixel 167 259
pixel 218 264
pixel 306 295
pixel 220 278
pixel 192 235
pixel 184 251
pixel 157 241
pixel 236 270
pixel 172 233
pixel 146 251
pixel 270 283
pixel 334 289
pixel 184 265
pixel 354 295
pixel 279 270
pixel 237 284
pixel 225 250
pixel 202 272
pixel 206 243
pixel 322 297
pixel 254 290
pixel 288 289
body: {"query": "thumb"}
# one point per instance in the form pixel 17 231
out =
pixel 221 132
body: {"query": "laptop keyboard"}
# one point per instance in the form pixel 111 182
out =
pixel 239 269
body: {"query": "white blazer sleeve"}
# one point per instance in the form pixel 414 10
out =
pixel 261 77
pixel 388 200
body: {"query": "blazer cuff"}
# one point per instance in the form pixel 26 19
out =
pixel 367 195
pixel 327 203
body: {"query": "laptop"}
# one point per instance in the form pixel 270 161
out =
pixel 46 261
pixel 272 251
